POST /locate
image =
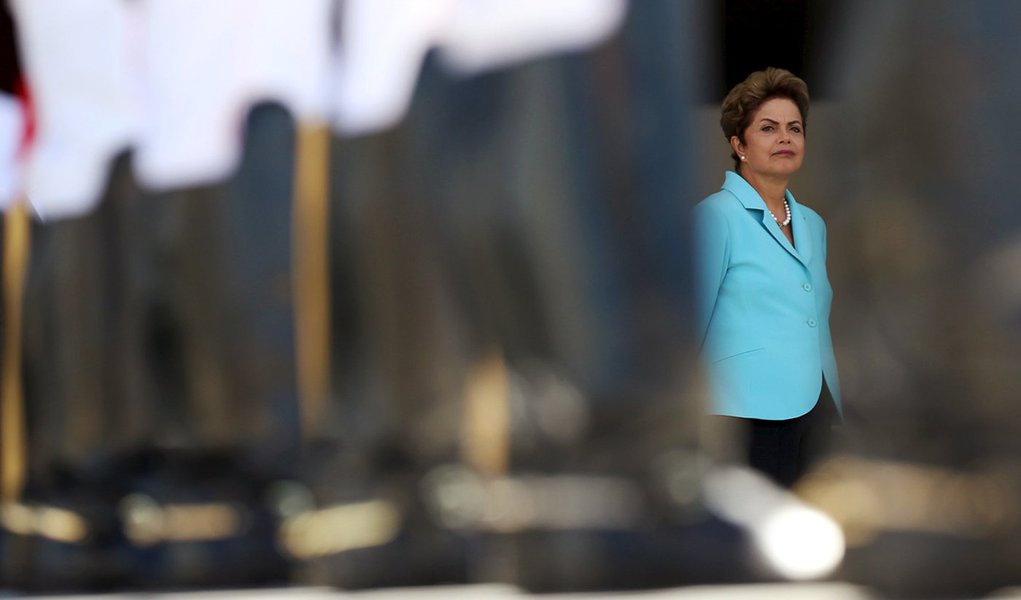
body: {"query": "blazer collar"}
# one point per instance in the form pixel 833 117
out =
pixel 750 199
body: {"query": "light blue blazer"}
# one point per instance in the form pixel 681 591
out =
pixel 764 306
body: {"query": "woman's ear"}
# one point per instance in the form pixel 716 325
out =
pixel 737 146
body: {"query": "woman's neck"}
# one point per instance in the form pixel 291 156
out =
pixel 772 190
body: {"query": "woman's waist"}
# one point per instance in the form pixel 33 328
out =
pixel 803 341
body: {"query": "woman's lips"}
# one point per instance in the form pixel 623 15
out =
pixel 783 153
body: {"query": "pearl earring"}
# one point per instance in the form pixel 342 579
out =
pixel 742 157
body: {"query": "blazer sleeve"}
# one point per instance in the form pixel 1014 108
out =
pixel 712 255
pixel 822 226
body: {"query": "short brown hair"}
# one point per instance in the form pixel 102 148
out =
pixel 745 98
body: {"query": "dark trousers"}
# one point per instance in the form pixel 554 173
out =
pixel 787 449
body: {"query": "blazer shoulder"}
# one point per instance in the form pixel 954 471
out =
pixel 713 215
pixel 720 203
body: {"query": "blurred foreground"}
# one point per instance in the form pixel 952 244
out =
pixel 752 592
pixel 456 351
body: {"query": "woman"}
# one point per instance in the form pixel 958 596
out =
pixel 764 297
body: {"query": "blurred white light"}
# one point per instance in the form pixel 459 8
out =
pixel 800 542
pixel 797 541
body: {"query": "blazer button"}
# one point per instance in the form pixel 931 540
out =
pixel 811 323
pixel 807 287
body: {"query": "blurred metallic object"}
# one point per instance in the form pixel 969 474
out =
pixel 368 529
pixel 311 267
pixel 147 522
pixel 340 528
pixel 461 499
pixel 57 524
pixel 486 431
pixel 13 462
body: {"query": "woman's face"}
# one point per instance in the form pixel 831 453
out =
pixel 774 143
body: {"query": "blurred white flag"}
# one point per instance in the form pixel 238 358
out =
pixel 206 62
pixel 76 63
pixel 176 78
pixel 12 128
pixel 384 42
pixel 486 34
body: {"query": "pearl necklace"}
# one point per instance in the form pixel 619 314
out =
pixel 787 221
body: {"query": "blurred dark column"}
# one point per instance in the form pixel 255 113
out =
pixel 163 321
pixel 560 189
pixel 160 371
pixel 930 343
pixel 523 231
pixel 929 129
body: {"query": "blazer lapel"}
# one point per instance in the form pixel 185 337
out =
pixel 751 200
pixel 774 230
pixel 802 239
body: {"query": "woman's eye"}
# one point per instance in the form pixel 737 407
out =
pixel 796 129
pixel 767 128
